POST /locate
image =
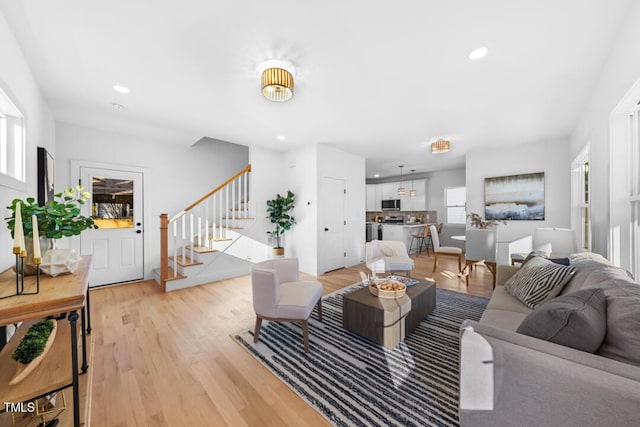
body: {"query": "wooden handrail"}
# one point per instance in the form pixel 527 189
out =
pixel 218 188
pixel 164 227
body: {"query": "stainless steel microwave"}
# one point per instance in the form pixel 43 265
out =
pixel 391 205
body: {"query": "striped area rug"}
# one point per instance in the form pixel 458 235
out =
pixel 354 382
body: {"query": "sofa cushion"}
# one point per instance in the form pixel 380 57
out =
pixel 502 319
pixel 502 300
pixel 577 320
pixel 593 274
pixel 538 280
pixel 622 341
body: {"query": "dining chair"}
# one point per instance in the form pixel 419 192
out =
pixel 443 250
pixel 421 236
pixel 279 295
pixel 480 247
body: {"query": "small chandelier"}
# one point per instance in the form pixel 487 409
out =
pixel 401 188
pixel 412 192
pixel 440 146
pixel 277 84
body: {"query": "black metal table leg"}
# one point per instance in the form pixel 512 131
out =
pixel 73 323
pixel 88 305
pixel 84 341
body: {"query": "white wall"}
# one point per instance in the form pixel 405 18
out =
pixel 334 163
pixel 18 82
pixel 550 157
pixel 619 73
pixel 176 175
pixel 301 174
pixel 437 183
pixel 267 180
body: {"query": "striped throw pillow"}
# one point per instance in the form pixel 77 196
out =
pixel 538 280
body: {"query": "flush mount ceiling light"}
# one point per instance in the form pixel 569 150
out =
pixel 277 84
pixel 281 137
pixel 440 146
pixel 479 53
pixel 401 190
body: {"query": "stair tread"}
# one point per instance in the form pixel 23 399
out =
pixel 171 275
pixel 203 249
pixel 185 261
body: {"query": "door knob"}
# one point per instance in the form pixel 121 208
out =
pixel 326 229
pixel 138 231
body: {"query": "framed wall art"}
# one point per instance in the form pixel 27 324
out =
pixel 514 197
pixel 46 187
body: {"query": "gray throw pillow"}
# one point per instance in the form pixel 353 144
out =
pixel 577 320
pixel 622 341
pixel 538 280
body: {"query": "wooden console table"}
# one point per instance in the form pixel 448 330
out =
pixel 64 296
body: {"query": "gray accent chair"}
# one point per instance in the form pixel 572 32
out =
pixel 279 295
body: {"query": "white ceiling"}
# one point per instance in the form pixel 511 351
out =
pixel 376 78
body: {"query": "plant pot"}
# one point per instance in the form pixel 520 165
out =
pixel 278 251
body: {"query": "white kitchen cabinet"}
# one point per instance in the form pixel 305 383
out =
pixel 373 197
pixel 389 190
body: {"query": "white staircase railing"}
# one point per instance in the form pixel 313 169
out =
pixel 206 221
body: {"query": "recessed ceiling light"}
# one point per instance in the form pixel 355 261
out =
pixel 281 137
pixel 376 175
pixel 121 89
pixel 478 53
pixel 117 106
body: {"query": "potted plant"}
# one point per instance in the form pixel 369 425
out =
pixel 59 218
pixel 278 209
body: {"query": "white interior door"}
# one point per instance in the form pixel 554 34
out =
pixel 116 207
pixel 331 255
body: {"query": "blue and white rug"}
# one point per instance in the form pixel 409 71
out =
pixel 354 382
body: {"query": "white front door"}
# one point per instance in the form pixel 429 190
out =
pixel 331 255
pixel 116 207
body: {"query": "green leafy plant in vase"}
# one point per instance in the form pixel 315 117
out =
pixel 277 210
pixel 57 219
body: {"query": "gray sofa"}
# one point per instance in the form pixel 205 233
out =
pixel 511 379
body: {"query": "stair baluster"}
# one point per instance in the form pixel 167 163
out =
pixel 175 248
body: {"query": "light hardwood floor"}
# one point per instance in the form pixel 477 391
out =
pixel 166 359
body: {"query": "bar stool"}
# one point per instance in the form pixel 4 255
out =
pixel 420 236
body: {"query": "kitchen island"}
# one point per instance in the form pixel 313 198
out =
pixel 401 232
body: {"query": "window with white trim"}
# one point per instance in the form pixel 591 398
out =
pixel 455 200
pixel 12 144
pixel 581 220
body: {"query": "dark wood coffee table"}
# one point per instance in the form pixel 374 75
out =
pixel 388 321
